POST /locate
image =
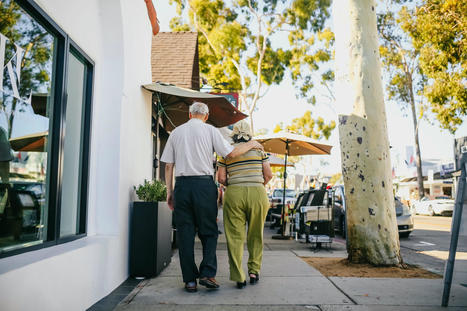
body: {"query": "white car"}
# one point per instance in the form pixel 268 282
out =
pixel 404 218
pixel 441 205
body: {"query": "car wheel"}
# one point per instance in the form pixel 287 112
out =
pixel 342 227
pixel 430 210
pixel 404 234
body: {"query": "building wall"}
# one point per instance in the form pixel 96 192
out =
pixel 73 276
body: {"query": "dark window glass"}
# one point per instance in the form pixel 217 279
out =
pixel 76 90
pixel 27 57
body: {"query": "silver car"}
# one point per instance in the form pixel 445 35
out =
pixel 404 218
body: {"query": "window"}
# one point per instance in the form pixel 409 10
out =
pixel 44 135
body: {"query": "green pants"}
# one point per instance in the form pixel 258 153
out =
pixel 244 205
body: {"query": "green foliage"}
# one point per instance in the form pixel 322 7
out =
pixel 307 126
pixel 438 30
pixel 236 43
pixel 151 191
pixel 335 179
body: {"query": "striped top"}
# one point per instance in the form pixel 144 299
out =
pixel 245 169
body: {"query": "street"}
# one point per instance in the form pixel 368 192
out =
pixel 428 245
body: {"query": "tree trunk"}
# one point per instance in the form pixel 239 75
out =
pixel 366 165
pixel 418 159
pixel 252 123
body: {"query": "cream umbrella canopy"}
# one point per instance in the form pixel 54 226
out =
pixel 291 144
pixel 275 161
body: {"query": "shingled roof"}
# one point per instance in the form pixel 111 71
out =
pixel 175 60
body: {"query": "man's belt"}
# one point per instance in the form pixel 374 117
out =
pixel 194 177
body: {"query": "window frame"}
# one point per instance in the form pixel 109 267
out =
pixel 57 116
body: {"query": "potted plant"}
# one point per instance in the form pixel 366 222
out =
pixel 151 191
pixel 150 230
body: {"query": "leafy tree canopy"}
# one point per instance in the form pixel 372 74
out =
pixel 438 29
pixel 307 126
pixel 238 47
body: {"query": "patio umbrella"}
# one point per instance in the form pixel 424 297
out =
pixel 291 144
pixel 275 161
pixel 175 102
pixel 32 142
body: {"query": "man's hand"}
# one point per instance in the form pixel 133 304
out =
pixel 170 200
pixel 256 145
pixel 169 171
pixel 242 148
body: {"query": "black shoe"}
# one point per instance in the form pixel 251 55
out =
pixel 255 279
pixel 241 285
pixel 210 283
pixel 191 287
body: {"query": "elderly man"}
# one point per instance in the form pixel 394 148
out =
pixel 190 149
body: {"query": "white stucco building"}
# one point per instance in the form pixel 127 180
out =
pixel 109 44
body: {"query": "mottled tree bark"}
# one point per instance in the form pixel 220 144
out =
pixel 366 165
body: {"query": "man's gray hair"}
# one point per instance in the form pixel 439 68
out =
pixel 199 108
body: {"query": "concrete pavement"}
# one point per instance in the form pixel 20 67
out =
pixel 288 283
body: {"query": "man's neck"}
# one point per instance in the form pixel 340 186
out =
pixel 200 118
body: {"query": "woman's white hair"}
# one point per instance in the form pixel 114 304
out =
pixel 199 108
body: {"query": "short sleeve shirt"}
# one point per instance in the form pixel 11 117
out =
pixel 245 169
pixel 191 147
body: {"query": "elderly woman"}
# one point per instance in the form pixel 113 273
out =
pixel 245 203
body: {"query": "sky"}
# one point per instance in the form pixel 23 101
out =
pixel 280 105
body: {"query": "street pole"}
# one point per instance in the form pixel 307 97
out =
pixel 456 223
pixel 285 183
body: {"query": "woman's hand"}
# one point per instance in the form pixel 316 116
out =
pixel 222 175
pixel 267 173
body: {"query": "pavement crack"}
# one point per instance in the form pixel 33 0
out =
pixel 128 299
pixel 344 293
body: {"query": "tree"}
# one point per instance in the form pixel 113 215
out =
pixel 236 43
pixel 30 46
pixel 406 80
pixel 438 29
pixel 335 179
pixel 366 165
pixel 307 126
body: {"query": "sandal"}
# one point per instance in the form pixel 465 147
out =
pixel 254 278
pixel 241 285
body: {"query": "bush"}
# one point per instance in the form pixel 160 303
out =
pixel 152 191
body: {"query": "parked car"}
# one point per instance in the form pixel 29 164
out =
pixel 338 209
pixel 276 201
pixel 404 216
pixel 440 205
pixel 278 195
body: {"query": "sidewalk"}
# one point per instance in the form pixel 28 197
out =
pixel 288 283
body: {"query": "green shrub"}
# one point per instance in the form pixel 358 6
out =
pixel 152 191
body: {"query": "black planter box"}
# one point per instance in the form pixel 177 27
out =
pixel 150 238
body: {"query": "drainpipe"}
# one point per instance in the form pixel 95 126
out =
pixel 152 17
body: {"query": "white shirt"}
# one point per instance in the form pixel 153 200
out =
pixel 191 147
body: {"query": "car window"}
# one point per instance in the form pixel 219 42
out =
pixel 288 193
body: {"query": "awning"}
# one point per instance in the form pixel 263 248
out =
pixel 32 142
pixel 176 101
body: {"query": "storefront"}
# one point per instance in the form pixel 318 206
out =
pixel 75 137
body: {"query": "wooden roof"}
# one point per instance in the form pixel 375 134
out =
pixel 175 60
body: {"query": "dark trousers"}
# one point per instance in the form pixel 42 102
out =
pixel 196 210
